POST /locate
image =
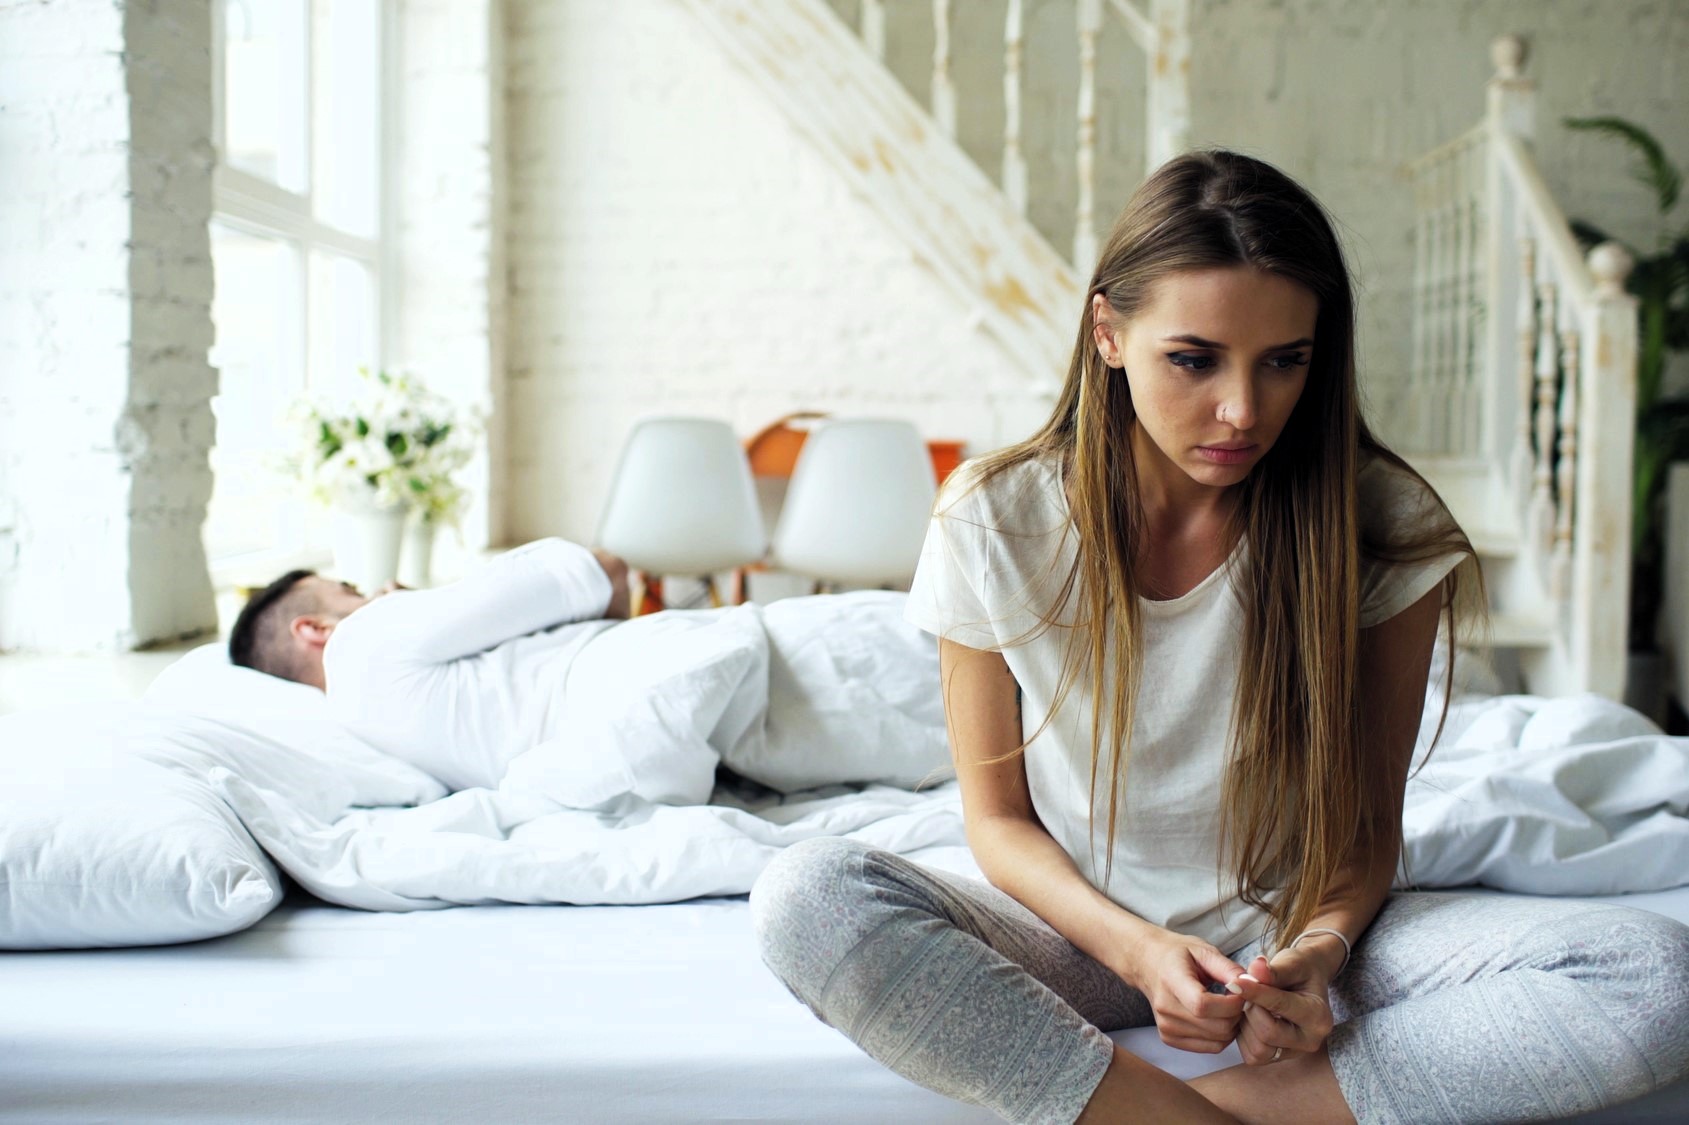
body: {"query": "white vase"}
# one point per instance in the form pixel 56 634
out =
pixel 416 560
pixel 366 538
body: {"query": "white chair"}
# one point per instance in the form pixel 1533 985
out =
pixel 682 502
pixel 858 505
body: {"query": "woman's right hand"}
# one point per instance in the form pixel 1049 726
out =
pixel 1174 972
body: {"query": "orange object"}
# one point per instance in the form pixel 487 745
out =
pixel 946 456
pixel 773 450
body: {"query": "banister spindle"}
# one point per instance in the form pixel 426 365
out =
pixel 874 27
pixel 1462 403
pixel 1541 527
pixel 1014 161
pixel 1479 402
pixel 1434 405
pixel 1084 234
pixel 1525 373
pixel 1421 363
pixel 943 88
pixel 1566 470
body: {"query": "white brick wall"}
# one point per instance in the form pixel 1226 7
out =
pixel 105 290
pixel 675 248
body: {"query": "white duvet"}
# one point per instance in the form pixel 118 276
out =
pixel 1572 796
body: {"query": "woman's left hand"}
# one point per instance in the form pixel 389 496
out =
pixel 1289 1007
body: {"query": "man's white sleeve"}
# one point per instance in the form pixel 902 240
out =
pixel 545 583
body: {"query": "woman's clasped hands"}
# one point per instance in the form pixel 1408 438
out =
pixel 1203 1000
pixel 1287 1007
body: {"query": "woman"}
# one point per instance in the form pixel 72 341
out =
pixel 1185 631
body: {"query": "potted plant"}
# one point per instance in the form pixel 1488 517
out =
pixel 1660 282
pixel 382 460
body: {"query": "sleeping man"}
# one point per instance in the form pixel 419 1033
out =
pixel 530 657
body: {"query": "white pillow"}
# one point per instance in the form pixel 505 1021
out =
pixel 204 683
pixel 103 841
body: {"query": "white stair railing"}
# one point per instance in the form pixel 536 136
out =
pixel 1163 34
pixel 1524 374
pixel 1013 285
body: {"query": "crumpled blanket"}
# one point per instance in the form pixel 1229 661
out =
pixel 696 757
pixel 1549 796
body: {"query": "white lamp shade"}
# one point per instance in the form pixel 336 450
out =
pixel 858 506
pixel 682 501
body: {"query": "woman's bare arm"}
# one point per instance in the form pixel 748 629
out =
pixel 1021 858
pixel 1292 1005
pixel 1395 663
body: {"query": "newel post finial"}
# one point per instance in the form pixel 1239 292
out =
pixel 1610 264
pixel 1512 96
pixel 1507 55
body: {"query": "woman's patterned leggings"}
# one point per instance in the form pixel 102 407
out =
pixel 1455 1007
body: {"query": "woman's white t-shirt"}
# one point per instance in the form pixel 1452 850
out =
pixel 994 561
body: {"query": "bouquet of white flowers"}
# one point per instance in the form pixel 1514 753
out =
pixel 393 443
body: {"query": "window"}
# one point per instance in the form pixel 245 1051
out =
pixel 298 250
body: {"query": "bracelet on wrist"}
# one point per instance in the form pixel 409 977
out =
pixel 1348 950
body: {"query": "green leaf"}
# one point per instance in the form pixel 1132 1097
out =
pixel 1589 235
pixel 1652 169
pixel 1666 425
pixel 1677 329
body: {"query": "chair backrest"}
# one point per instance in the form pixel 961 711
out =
pixel 682 502
pixel 858 505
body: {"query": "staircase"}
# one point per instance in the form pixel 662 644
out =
pixel 1522 398
pixel 1524 349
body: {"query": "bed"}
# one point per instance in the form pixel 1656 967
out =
pixel 343 986
pixel 503 1013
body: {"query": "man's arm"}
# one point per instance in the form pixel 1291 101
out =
pixel 537 586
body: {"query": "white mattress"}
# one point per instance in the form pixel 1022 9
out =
pixel 600 1014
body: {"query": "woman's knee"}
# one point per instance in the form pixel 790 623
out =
pixel 1635 964
pixel 806 909
pixel 1608 942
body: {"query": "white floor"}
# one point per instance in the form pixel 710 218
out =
pixel 28 681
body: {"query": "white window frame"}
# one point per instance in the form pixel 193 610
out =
pixel 256 206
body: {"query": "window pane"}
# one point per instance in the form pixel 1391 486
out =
pixel 264 92
pixel 260 332
pixel 347 38
pixel 343 314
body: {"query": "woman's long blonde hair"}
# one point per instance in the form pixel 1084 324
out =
pixel 1296 802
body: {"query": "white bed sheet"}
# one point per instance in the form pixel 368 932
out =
pixel 493 1013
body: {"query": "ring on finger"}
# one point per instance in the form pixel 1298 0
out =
pixel 1278 1053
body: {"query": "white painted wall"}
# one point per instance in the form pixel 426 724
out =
pixel 105 292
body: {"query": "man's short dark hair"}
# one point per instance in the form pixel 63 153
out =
pixel 261 639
